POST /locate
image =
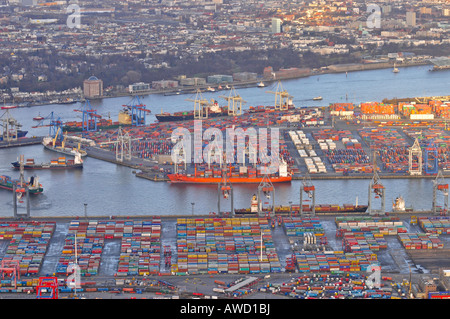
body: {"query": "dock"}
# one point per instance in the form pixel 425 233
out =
pixel 22 142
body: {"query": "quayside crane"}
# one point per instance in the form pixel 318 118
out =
pixel 439 185
pixel 308 188
pixel 90 117
pixel 53 122
pixel 10 125
pixel 377 189
pixel 415 159
pixel 122 144
pixel 201 106
pixel 282 98
pixel 431 159
pixel 138 111
pixel 235 102
pixel 225 190
pixel 266 191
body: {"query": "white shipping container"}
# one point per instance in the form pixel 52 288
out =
pixel 421 116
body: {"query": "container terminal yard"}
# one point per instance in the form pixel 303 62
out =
pixel 296 250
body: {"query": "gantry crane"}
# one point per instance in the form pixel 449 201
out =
pixel 379 191
pixel 309 189
pixel 138 111
pixel 90 116
pixel 225 190
pixel 234 103
pixel 10 268
pixel 440 185
pixel 18 193
pixel 431 159
pixel 47 288
pixel 267 190
pixel 415 151
pixel 282 98
pixel 122 145
pixel 54 124
pixel 10 126
pixel 201 106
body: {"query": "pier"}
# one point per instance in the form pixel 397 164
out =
pixel 25 141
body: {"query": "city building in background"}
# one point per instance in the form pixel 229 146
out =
pixel 93 87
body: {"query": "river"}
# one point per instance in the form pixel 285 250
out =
pixel 110 189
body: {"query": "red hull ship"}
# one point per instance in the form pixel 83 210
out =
pixel 182 178
pixel 246 176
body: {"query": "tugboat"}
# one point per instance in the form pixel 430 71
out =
pixel 38 118
pixel 34 187
pixel 19 185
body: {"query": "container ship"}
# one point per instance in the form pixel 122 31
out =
pixel 20 134
pixel 124 119
pixel 246 175
pixel 213 111
pixel 345 209
pixel 34 187
pixel 51 145
pixel 60 163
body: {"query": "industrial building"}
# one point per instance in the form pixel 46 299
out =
pixel 93 87
pixel 219 78
pixel 192 81
pixel 164 84
pixel 245 76
pixel 138 87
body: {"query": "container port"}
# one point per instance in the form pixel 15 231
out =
pixel 167 257
pixel 323 253
pixel 342 140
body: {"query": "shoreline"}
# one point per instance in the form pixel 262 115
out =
pixel 341 68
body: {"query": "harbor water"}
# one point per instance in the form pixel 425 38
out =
pixel 112 190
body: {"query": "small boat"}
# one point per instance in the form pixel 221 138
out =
pixel 395 70
pixel 210 89
pixel 317 98
pixel 261 84
pixel 38 118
